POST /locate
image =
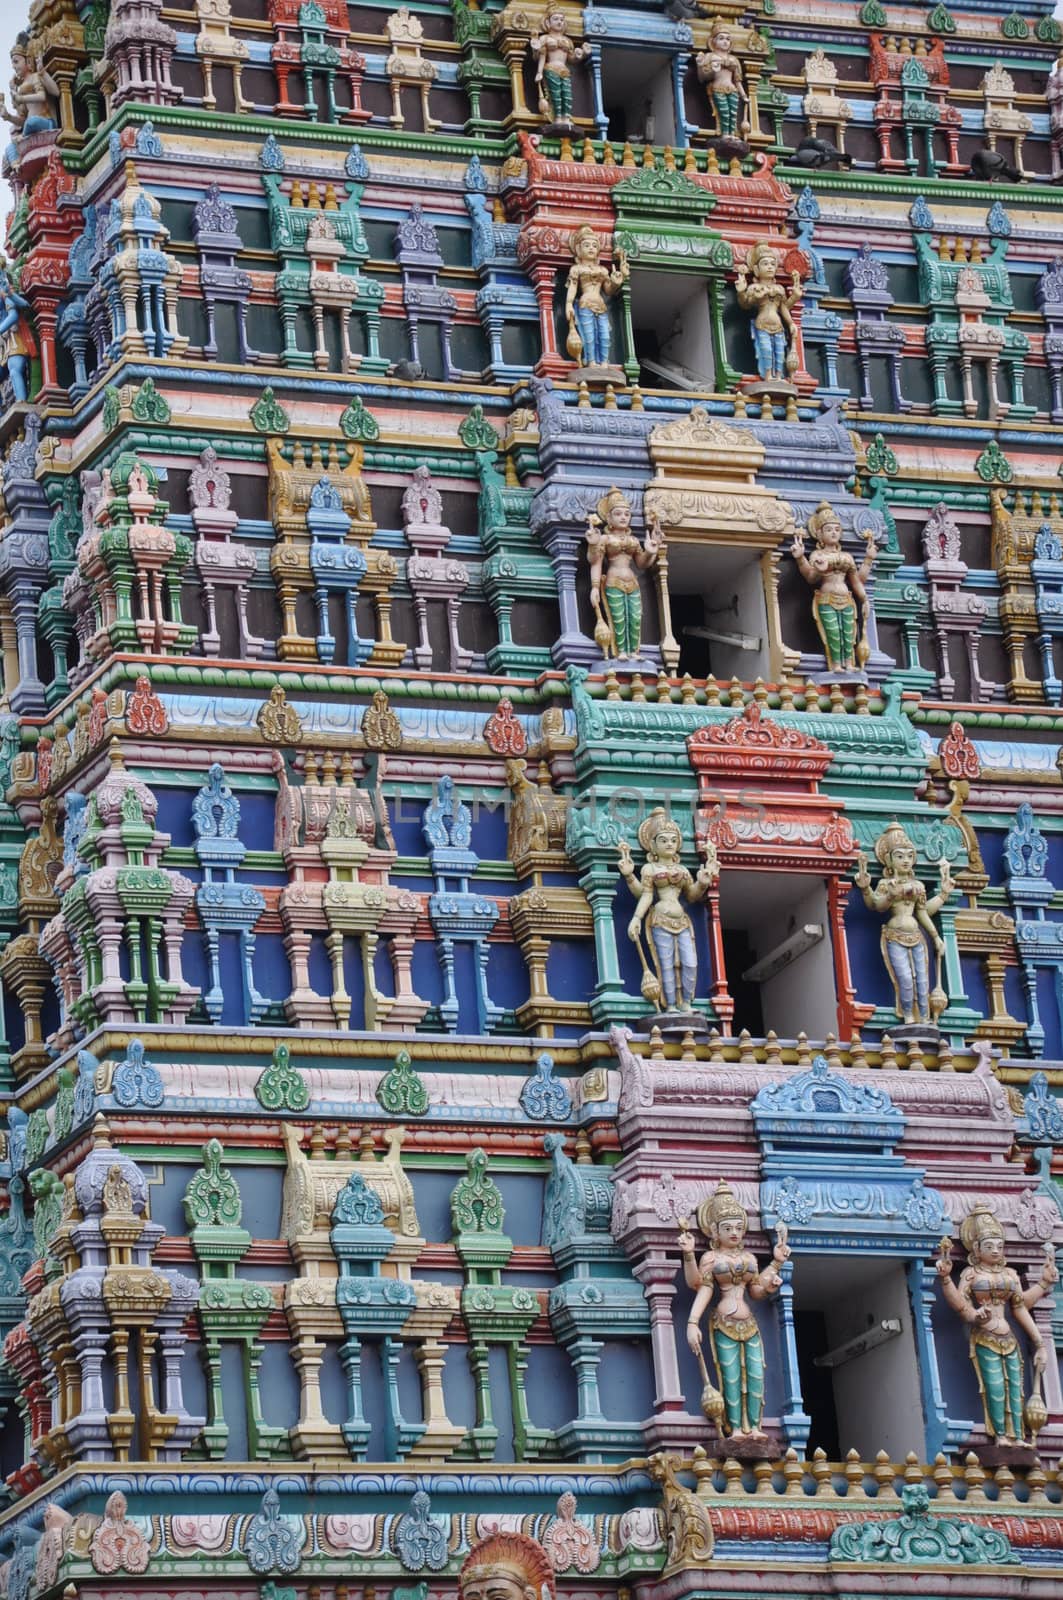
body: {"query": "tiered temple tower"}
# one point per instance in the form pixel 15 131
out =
pixel 531 801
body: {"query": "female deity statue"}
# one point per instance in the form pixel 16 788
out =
pixel 904 946
pixel 657 889
pixel 839 587
pixel 554 54
pixel 734 1338
pixel 589 285
pixel 771 325
pixel 987 1287
pixel 721 73
pixel 616 558
pixel 32 90
pixel 17 344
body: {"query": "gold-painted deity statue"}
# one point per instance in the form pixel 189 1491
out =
pixel 771 325
pixel 731 1271
pixel 660 888
pixel 616 558
pixel 840 604
pixel 554 54
pixel 587 290
pixel 909 911
pixel 720 70
pixel 986 1290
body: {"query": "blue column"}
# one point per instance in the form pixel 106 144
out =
pixel 683 128
pixel 796 1423
pixel 941 1432
pixel 600 117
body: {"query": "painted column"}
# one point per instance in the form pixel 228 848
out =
pixel 657 1275
pixel 796 1423
pixel 922 1291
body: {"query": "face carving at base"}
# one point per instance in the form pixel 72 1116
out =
pixel 508 1566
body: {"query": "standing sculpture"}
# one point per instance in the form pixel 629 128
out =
pixel 734 1338
pixel 670 981
pixel 588 288
pixel 554 54
pixel 616 558
pixel 987 1287
pixel 17 344
pixel 904 938
pixel 839 589
pixel 721 73
pixel 771 325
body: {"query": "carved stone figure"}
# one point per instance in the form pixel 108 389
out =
pixel 554 54
pixel 17 344
pixel 771 325
pixel 986 1288
pixel 839 587
pixel 507 1566
pixel 687 1524
pixel 669 983
pixel 33 91
pixel 616 558
pixel 588 288
pixel 720 70
pixel 734 1338
pixel 904 938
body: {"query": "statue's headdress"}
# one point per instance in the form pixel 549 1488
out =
pixel 721 1205
pixel 649 826
pixel 823 514
pixel 979 1224
pixel 576 238
pixel 761 249
pixel 888 841
pixel 608 501
pixel 516 1556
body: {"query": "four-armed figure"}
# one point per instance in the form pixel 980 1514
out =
pixel 589 285
pixel 987 1287
pixel 734 1338
pixel 616 558
pixel 671 981
pixel 32 92
pixel 17 344
pixel 721 73
pixel 904 946
pixel 839 587
pixel 771 325
pixel 554 53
